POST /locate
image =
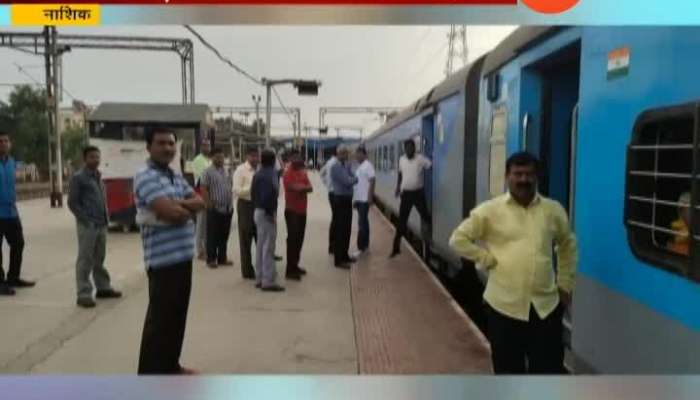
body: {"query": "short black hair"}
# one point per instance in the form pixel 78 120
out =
pixel 267 158
pixel 216 150
pixel 409 141
pixel 361 150
pixel 152 131
pixel 89 149
pixel 4 133
pixel 521 159
pixel 250 150
pixel 293 152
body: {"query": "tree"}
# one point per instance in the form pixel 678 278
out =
pixel 26 120
pixel 73 140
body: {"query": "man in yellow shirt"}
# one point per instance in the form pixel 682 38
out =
pixel 523 293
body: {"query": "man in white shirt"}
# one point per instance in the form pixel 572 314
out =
pixel 363 196
pixel 242 182
pixel 410 187
pixel 326 177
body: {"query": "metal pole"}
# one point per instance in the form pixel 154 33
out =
pixel 191 62
pixel 268 112
pixel 183 78
pixel 257 114
pixel 57 96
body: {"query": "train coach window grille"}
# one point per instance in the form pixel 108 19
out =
pixel 661 200
pixel 497 166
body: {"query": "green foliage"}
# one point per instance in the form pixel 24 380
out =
pixel 24 117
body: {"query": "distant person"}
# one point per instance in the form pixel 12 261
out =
pixel 10 223
pixel 296 189
pixel 217 193
pixel 265 192
pixel 681 241
pixel 87 202
pixel 199 165
pixel 525 296
pixel 343 181
pixel 325 173
pixel 409 187
pixel 242 183
pixel 165 205
pixel 363 196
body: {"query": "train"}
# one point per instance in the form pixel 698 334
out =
pixel 613 114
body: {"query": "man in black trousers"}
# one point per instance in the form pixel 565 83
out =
pixel 343 181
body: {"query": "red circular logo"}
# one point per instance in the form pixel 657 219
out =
pixel 550 6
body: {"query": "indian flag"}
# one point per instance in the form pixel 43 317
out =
pixel 618 62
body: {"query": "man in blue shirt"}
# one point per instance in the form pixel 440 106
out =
pixel 10 224
pixel 165 207
pixel 342 180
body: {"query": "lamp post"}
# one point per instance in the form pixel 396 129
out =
pixel 304 88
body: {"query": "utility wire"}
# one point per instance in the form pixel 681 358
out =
pixel 63 89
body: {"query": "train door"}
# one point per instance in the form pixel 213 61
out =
pixel 427 150
pixel 550 98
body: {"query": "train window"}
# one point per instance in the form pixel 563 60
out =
pixel 497 166
pixel 660 212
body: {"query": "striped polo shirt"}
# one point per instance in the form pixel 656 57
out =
pixel 164 244
pixel 219 185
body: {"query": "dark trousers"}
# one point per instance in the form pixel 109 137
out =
pixel 363 225
pixel 246 234
pixel 534 347
pixel 331 229
pixel 218 230
pixel 409 199
pixel 164 328
pixel 296 228
pixel 343 226
pixel 11 230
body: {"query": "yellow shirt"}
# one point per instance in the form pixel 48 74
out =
pixel 518 253
pixel 243 180
pixel 680 244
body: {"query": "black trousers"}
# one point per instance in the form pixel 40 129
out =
pixel 11 230
pixel 409 199
pixel 362 225
pixel 343 227
pixel 331 229
pixel 532 347
pixel 246 235
pixel 218 230
pixel 296 229
pixel 164 328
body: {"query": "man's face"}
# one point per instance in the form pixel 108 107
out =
pixel 5 145
pixel 343 155
pixel 92 159
pixel 253 159
pixel 206 147
pixel 296 161
pixel 522 181
pixel 410 149
pixel 162 149
pixel 218 159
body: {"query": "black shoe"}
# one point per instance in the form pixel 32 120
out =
pixel 273 288
pixel 252 277
pixel 343 266
pixel 278 258
pixel 258 285
pixel 295 276
pixel 226 264
pixel 20 283
pixel 86 302
pixel 330 251
pixel 395 253
pixel 301 270
pixel 6 290
pixel 212 265
pixel 108 294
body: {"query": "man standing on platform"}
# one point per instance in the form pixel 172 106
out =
pixel 10 224
pixel 217 193
pixel 86 200
pixel 242 182
pixel 526 297
pixel 265 192
pixel 328 183
pixel 410 187
pixel 363 197
pixel 199 165
pixel 296 189
pixel 343 181
pixel 165 203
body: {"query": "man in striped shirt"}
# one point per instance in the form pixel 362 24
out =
pixel 165 206
pixel 218 197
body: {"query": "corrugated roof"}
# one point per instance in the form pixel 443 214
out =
pixel 150 113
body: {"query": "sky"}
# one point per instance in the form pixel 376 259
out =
pixel 357 65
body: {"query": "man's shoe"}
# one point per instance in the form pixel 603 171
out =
pixel 343 266
pixel 395 253
pixel 226 264
pixel 351 260
pixel 20 283
pixel 187 371
pixel 86 302
pixel 295 276
pixel 252 277
pixel 108 294
pixel 202 257
pixel 212 265
pixel 273 288
pixel 6 290
pixel 301 270
pixel 258 285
